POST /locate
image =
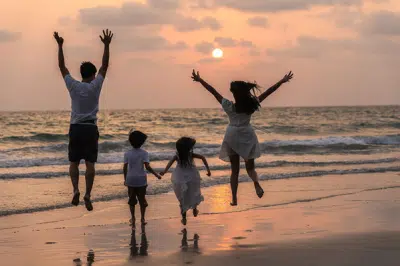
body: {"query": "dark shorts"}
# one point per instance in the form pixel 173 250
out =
pixel 83 143
pixel 137 194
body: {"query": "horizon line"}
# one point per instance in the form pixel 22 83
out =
pixel 203 108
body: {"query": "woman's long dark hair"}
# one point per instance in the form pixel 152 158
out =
pixel 184 147
pixel 245 99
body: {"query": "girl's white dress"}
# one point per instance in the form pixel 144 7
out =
pixel 240 137
pixel 186 184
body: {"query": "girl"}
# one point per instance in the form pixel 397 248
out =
pixel 240 139
pixel 186 178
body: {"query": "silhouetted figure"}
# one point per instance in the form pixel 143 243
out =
pixel 135 162
pixel 83 131
pixel 186 178
pixel 240 139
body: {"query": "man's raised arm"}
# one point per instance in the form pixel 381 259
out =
pixel 106 39
pixel 61 62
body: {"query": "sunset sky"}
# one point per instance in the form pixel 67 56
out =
pixel 342 52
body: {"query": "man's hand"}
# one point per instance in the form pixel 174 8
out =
pixel 60 40
pixel 107 37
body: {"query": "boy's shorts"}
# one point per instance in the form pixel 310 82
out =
pixel 137 194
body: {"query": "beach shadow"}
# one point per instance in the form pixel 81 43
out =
pixel 141 250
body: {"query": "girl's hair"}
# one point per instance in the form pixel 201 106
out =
pixel 184 147
pixel 137 138
pixel 245 99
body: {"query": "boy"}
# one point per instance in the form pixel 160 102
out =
pixel 135 162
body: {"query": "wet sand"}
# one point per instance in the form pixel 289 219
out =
pixel 332 220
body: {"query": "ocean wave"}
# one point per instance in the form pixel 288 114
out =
pixel 335 142
pixel 273 164
pixel 49 137
pixel 160 189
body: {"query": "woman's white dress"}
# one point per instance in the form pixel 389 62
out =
pixel 240 137
pixel 186 184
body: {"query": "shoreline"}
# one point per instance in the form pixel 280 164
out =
pixel 355 225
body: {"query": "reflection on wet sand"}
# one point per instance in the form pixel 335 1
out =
pixel 89 259
pixel 185 246
pixel 141 250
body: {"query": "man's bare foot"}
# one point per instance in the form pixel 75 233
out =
pixel 75 199
pixel 143 221
pixel 195 212
pixel 88 203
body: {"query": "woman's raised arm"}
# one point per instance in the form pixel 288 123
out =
pixel 196 77
pixel 272 89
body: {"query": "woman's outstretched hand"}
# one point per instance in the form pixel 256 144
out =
pixel 287 77
pixel 196 76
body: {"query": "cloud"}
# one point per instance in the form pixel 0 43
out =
pixel 229 42
pixel 314 48
pixel 212 23
pixel 381 23
pixel 129 14
pixel 209 60
pixel 155 12
pixel 186 24
pixel 204 47
pixel 261 22
pixel 261 6
pixel 165 4
pixel 148 43
pixel 8 36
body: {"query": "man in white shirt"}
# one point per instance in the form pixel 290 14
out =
pixel 83 132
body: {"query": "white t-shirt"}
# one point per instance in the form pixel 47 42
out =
pixel 136 176
pixel 84 98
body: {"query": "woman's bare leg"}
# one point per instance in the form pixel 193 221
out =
pixel 251 171
pixel 235 168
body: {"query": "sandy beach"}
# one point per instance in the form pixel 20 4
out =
pixel 330 220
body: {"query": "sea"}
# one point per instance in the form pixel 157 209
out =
pixel 295 142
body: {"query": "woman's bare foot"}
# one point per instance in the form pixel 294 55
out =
pixel 234 202
pixel 195 212
pixel 75 199
pixel 88 203
pixel 259 190
pixel 143 221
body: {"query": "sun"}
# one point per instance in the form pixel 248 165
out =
pixel 217 53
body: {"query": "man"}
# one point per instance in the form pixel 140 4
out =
pixel 83 132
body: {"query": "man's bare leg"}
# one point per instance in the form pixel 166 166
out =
pixel 89 175
pixel 74 174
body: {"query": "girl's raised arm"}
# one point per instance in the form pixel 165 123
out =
pixel 268 92
pixel 170 163
pixel 201 157
pixel 196 77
